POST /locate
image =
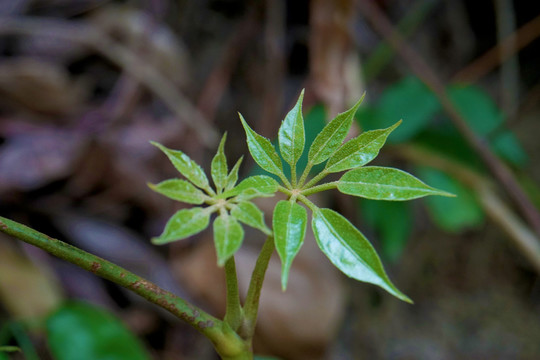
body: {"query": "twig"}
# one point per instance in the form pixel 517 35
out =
pixel 525 240
pixel 509 72
pixel 120 55
pixel 194 316
pixel 492 58
pixel 422 70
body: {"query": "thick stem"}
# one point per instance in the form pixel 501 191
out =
pixel 213 328
pixel 251 306
pixel 233 314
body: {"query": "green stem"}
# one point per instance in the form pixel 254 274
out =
pixel 308 203
pixel 305 174
pixel 233 314
pixel 251 307
pixel 316 179
pixel 319 188
pixel 293 175
pixel 225 340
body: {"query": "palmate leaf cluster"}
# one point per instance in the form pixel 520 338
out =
pixel 345 246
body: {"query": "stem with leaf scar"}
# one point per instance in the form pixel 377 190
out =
pixel 226 341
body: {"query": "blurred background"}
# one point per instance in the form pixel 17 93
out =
pixel 86 84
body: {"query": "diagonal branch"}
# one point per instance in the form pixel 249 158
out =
pixel 422 70
pixel 200 320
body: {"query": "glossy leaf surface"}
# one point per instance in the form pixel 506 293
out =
pixel 232 178
pixel 254 186
pixel 183 224
pixel 187 167
pixel 179 190
pixel 85 332
pixel 350 251
pixel 219 169
pixel 360 150
pixel 262 151
pixel 331 137
pixel 248 213
pixel 228 236
pixel 291 134
pixel 382 183
pixel 289 223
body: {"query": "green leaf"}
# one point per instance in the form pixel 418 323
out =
pixel 453 215
pixel 179 190
pixel 219 167
pixel 85 332
pixel 409 100
pixel 228 236
pixel 187 167
pixel 183 224
pixel 254 186
pixel 350 251
pixel 394 238
pixel 262 150
pixel 232 178
pixel 291 134
pixel 248 213
pixel 359 151
pixel 331 137
pixel 382 183
pixel 487 120
pixel 289 223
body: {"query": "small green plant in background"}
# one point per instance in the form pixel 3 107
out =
pixel 230 204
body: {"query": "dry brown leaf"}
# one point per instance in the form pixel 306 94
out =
pixel 40 87
pixel 27 290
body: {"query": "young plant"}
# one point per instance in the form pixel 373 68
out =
pixel 344 245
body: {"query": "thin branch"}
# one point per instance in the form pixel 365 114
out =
pixel 525 240
pixel 492 58
pixel 199 319
pixel 251 306
pixel 122 56
pixel 423 71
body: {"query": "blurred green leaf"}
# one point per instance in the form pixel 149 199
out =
pixel 382 183
pixel 187 167
pixel 394 237
pixel 486 120
pixel 409 100
pixel 228 237
pixel 359 151
pixel 218 168
pixel 262 151
pixel 179 190
pixel 291 134
pixel 455 214
pixel 84 332
pixel 350 251
pixel 249 214
pixel 184 223
pixel 331 137
pixel 289 223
